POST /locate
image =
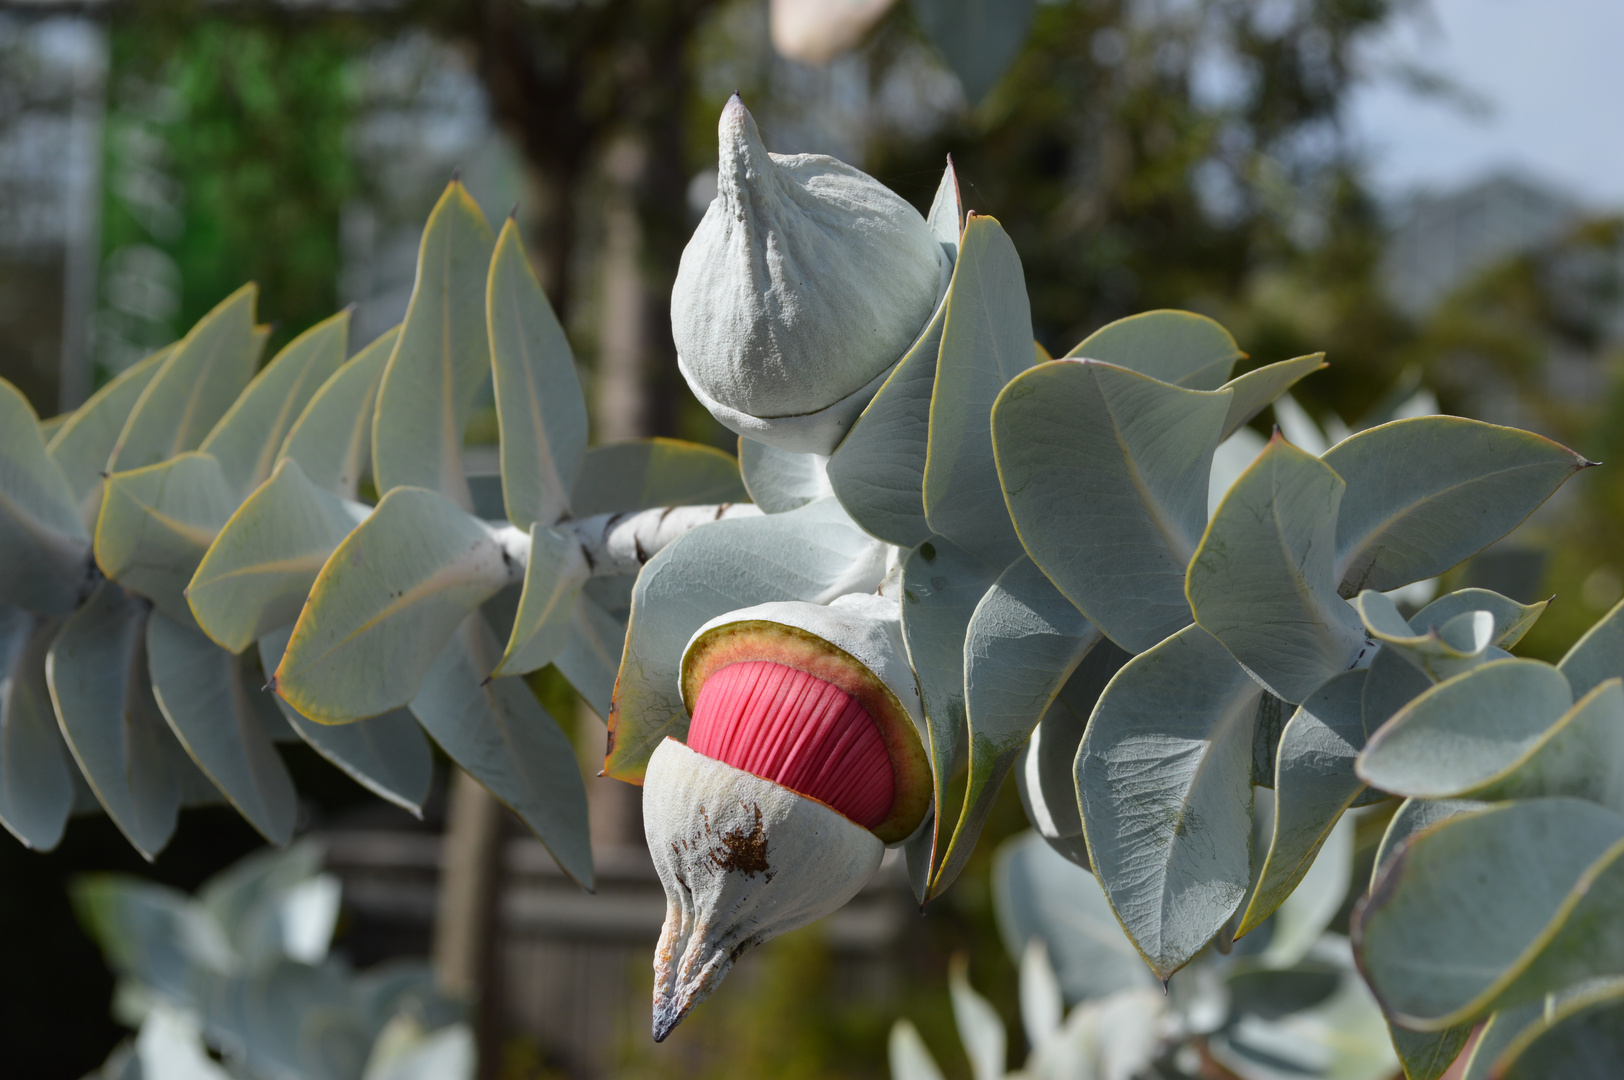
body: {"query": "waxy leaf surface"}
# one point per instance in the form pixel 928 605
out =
pixel 332 438
pixel 1178 347
pixel 1598 655
pixel 590 658
pixel 157 523
pixel 552 580
pixel 83 443
pixel 1253 392
pixel 1105 473
pixel 539 403
pixel 779 480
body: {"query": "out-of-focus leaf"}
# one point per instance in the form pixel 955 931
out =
pixel 1400 523
pixel 446 1054
pixel 1165 783
pixel 980 1029
pixel 261 566
pixel 385 604
pixel 1229 461
pixel 223 719
pixel 170 1045
pixel 1023 642
pixel 1256 390
pixel 1439 948
pixel 388 754
pixel 941 586
pixel 1314 783
pixel 1037 893
pixel 778 480
pixel 332 438
pixel 292 1020
pixel 156 524
pixel 195 385
pixel 441 357
pixel 815 553
pixel 908 1056
pixel 1042 1007
pixel 643 473
pixel 1315 900
pixel 1511 619
pixel 1441 651
pixel 539 403
pixel 591 655
pixel 44 543
pixel 978 38
pixel 247 439
pixel 1178 347
pixel 986 341
pixel 97 671
pixel 1598 655
pixel 1046 774
pixel 1466 731
pixel 552 581
pixel 1428 1055
pixel 501 736
pixel 1105 473
pixel 1577 1033
pixel 151 932
pixel 36 784
pixel 82 445
pixel 1261 580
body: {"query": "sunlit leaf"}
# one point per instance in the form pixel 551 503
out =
pixel 1400 523
pixel 223 718
pixel 385 604
pixel 1105 473
pixel 980 1028
pixel 1023 642
pixel 908 1056
pixel 1178 347
pixel 1598 655
pixel 1165 782
pixel 1261 581
pixel 986 341
pixel 195 385
pixel 332 438
pixel 1256 390
pixel 1441 651
pixel 779 480
pixel 539 403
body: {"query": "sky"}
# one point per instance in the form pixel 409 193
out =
pixel 1551 73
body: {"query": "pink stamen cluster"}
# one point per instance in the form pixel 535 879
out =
pixel 797 730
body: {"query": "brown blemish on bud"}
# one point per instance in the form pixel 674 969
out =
pixel 744 851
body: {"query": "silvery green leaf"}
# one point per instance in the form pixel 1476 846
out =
pixel 36 777
pixel 1315 900
pixel 1105 474
pixel 1392 683
pixel 1440 949
pixel 1293 421
pixel 248 437
pixel 980 1029
pixel 643 473
pixel 501 736
pixel 97 672
pixel 590 658
pixel 385 604
pixel 1428 1055
pixel 553 578
pixel 978 39
pixel 1511 619
pixel 195 385
pixel 878 470
pixel 986 341
pixel 259 569
pixel 1314 783
pixel 1457 645
pixel 1231 459
pixel 170 1045
pixel 152 932
pixel 941 586
pixel 1399 523
pixel 293 1019
pixel 82 445
pixel 815 553
pixel 388 754
pixel 446 1054
pixel 1039 894
pixel 1577 1033
pixel 778 480
pixel 442 356
pixel 45 544
pixel 1042 1007
pixel 1178 347
pixel 1164 778
pixel 1261 580
pixel 1023 642
pixel 1466 731
pixel 539 403
pixel 218 711
pixel 1253 392
pixel 1412 817
pixel 908 1056
pixel 1598 655
pixel 332 438
pixel 1046 774
pixel 156 524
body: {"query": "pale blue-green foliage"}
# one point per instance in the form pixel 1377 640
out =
pixel 243 969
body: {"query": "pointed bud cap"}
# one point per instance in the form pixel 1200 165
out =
pixel 803 286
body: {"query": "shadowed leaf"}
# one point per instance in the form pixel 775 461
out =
pixel 45 545
pixel 36 777
pixel 643 473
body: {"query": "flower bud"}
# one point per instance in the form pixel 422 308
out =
pixel 803 286
pixel 804 759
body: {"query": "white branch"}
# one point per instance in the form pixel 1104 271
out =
pixel 620 543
